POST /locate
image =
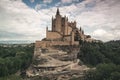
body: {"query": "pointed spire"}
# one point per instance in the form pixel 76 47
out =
pixel 57 13
pixel 80 28
pixel 46 28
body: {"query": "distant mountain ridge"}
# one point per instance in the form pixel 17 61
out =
pixel 15 41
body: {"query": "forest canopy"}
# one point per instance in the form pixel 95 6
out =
pixel 13 59
pixel 105 57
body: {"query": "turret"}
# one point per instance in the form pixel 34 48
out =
pixel 57 13
pixel 52 17
pixel 74 23
pixel 64 16
pixel 52 23
pixel 46 31
pixel 67 18
pixel 46 28
pixel 80 29
pixel 58 21
pixel 82 32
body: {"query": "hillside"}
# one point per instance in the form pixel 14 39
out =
pixel 105 57
pixel 89 61
pixel 56 63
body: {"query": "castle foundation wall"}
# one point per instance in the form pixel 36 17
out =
pixel 44 44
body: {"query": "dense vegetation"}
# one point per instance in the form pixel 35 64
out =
pixel 13 59
pixel 104 71
pixel 95 53
pixel 105 57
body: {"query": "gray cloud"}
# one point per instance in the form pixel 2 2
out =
pixel 10 35
pixel 32 1
pixel 99 18
pixel 19 19
pixel 47 1
pixel 102 16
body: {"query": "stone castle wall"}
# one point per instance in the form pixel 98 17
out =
pixel 44 44
pixel 69 30
pixel 53 35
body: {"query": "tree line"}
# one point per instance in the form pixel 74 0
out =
pixel 13 59
pixel 105 57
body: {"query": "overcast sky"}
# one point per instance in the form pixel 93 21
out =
pixel 27 19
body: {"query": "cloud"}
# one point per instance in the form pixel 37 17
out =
pixel 101 22
pixel 101 34
pixel 105 17
pixel 69 1
pixel 66 1
pixel 38 7
pixel 32 1
pixel 18 18
pixel 6 35
pixel 47 1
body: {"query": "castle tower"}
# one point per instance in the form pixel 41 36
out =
pixel 53 24
pixel 65 26
pixel 80 28
pixel 46 32
pixel 82 32
pixel 58 21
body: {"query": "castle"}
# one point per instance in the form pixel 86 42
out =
pixel 63 33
